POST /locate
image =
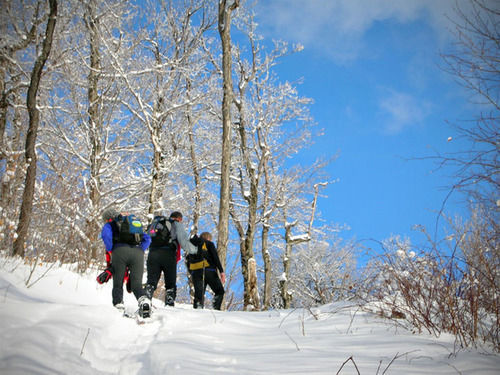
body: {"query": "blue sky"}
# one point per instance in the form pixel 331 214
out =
pixel 372 69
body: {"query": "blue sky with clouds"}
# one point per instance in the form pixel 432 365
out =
pixel 372 69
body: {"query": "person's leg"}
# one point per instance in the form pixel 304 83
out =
pixel 136 267
pixel 118 262
pixel 199 290
pixel 170 274
pixel 212 278
pixel 154 269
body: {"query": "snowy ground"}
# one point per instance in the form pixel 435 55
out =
pixel 65 324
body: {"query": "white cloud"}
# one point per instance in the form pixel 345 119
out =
pixel 401 110
pixel 336 27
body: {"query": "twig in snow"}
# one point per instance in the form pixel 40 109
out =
pixel 396 357
pixel 303 324
pixel 352 320
pixel 84 341
pixel 347 360
pixel 312 313
pixel 286 333
pixel 28 284
pixel 215 318
pixel 287 315
pixel 6 291
pixel 454 368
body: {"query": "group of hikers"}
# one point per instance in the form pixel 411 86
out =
pixel 126 244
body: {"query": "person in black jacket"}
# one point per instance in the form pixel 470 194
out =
pixel 164 255
pixel 203 267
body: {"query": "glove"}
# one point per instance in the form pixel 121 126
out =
pixel 126 280
pixel 105 276
pixel 108 259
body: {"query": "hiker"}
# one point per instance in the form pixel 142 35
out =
pixel 203 267
pixel 168 237
pixel 126 243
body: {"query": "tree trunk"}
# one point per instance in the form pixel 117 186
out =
pixel 290 241
pixel 284 281
pixel 155 194
pixel 250 293
pixel 95 127
pixel 267 268
pixel 224 27
pixel 194 165
pixel 34 120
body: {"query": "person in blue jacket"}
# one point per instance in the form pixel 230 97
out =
pixel 123 256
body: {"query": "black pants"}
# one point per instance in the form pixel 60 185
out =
pixel 201 278
pixel 124 256
pixel 163 260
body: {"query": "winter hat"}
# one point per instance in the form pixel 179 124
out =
pixel 109 213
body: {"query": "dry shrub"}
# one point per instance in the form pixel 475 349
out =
pixel 451 286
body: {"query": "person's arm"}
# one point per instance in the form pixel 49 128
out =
pixel 183 239
pixel 218 264
pixel 107 237
pixel 213 251
pixel 146 241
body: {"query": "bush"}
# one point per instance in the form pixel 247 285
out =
pixel 451 286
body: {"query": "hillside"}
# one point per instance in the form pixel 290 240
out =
pixel 65 323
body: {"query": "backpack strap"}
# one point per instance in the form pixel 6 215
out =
pixel 201 262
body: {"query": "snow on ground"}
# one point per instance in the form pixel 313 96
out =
pixel 65 324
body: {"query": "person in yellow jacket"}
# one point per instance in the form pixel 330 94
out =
pixel 203 267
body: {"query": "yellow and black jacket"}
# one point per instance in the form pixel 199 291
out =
pixel 206 257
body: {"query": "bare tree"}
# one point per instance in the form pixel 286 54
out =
pixel 292 240
pixel 84 141
pixel 17 36
pixel 323 270
pixel 475 63
pixel 265 112
pixel 34 119
pixel 95 126
pixel 224 26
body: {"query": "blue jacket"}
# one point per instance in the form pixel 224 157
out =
pixel 107 238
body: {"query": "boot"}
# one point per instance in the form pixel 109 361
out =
pixel 149 290
pixel 218 301
pixel 198 304
pixel 170 297
pixel 119 306
pixel 144 307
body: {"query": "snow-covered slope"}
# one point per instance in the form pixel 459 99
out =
pixel 65 324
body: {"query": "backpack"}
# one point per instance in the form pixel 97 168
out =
pixel 199 260
pixel 129 230
pixel 159 230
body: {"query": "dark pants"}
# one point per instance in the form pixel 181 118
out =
pixel 201 278
pixel 124 256
pixel 163 260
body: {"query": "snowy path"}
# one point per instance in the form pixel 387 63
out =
pixel 66 324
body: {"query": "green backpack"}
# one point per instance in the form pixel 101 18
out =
pixel 129 231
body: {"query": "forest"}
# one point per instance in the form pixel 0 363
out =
pixel 160 105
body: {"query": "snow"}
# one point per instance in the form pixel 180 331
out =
pixel 64 324
pixel 300 237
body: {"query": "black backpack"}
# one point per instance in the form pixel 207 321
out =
pixel 128 230
pixel 199 260
pixel 159 230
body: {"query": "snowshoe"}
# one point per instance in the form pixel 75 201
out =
pixel 144 307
